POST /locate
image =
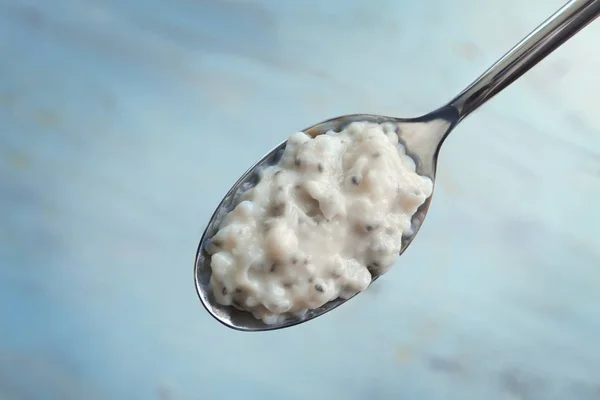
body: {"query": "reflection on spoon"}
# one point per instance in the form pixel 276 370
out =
pixel 421 139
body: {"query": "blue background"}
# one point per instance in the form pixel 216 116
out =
pixel 123 122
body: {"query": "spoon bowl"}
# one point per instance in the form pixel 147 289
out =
pixel 421 137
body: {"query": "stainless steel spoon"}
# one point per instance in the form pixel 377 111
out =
pixel 422 138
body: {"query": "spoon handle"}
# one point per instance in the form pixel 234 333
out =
pixel 546 38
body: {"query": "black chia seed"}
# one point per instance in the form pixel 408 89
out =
pixel 279 209
pixel 373 265
pixel 273 267
pixel 298 162
pixel 224 291
pixel 355 181
pixel 320 167
pixel 319 288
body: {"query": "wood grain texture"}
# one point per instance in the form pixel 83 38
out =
pixel 123 122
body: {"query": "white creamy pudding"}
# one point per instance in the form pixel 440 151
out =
pixel 333 209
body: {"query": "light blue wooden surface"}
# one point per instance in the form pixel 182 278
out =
pixel 123 122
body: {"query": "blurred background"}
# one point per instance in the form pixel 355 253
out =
pixel 124 122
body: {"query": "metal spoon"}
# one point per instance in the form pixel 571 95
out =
pixel 422 138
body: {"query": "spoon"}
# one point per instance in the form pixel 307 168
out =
pixel 422 138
